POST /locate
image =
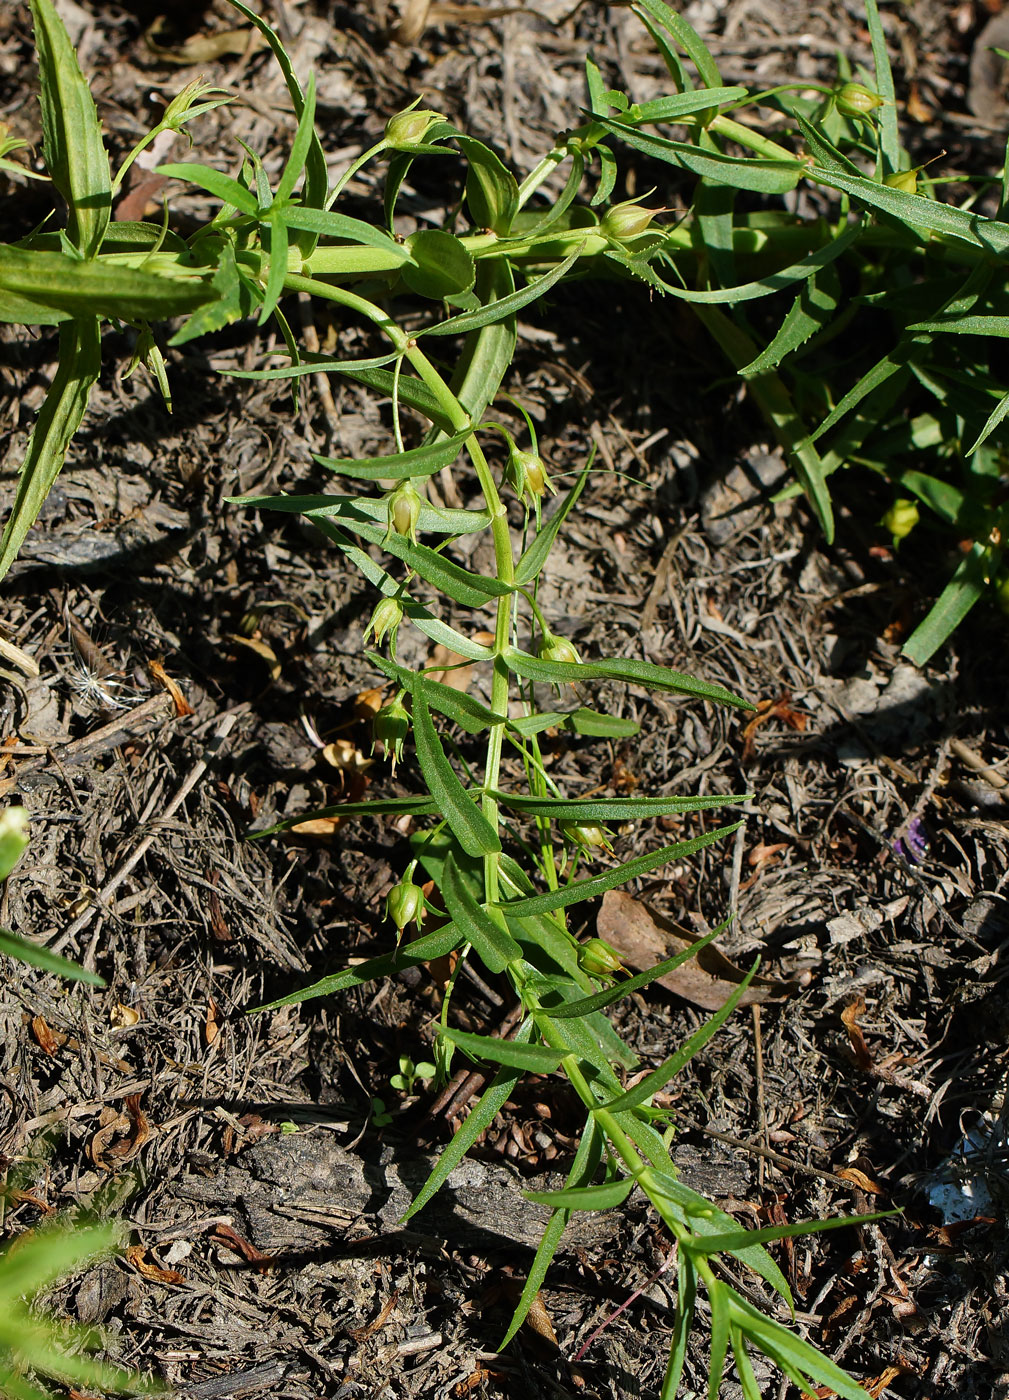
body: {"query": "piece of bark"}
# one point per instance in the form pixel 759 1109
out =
pixel 643 938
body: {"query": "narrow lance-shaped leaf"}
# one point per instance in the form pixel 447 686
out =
pixel 13 946
pixel 580 890
pixel 606 1196
pixel 418 461
pixel 531 1059
pixel 507 305
pixel 583 1168
pixel 479 1120
pixel 954 603
pixel 490 939
pixel 432 945
pixel 58 419
pixel 655 1082
pixel 468 824
pixel 628 669
pixel 534 558
pixel 75 155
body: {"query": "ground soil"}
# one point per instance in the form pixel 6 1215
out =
pixel 260 1193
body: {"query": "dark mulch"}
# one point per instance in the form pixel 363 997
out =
pixel 260 1198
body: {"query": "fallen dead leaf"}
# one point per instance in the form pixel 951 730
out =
pixel 859 1178
pixel 450 668
pixel 49 1040
pixel 317 826
pixel 849 1017
pixel 771 709
pixel 644 938
pixel 182 705
pixel 232 1240
pixel 137 1255
pixel 211 1026
pixel 123 1016
pixel 262 650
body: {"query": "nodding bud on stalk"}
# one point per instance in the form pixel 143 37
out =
pixel 405 902
pixel 587 835
pixel 385 620
pixel 407 130
pixel 13 838
pixel 856 100
pixel 901 518
pixel 404 511
pixel 528 475
pixel 904 180
pixel 554 648
pixel 390 728
pixel 627 220
pixel 598 959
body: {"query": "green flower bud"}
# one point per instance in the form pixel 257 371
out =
pixel 180 109
pixel 627 220
pixel 390 728
pixel 554 648
pixel 13 838
pixel 407 129
pixel 404 511
pixel 856 100
pixel 905 180
pixel 405 902
pixel 528 475
pixel 588 835
pixel 901 518
pixel 385 620
pixel 598 959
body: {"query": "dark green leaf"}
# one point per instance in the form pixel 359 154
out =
pixel 954 603
pixel 484 928
pixel 531 1059
pixel 761 176
pixel 503 307
pixel 655 1082
pixel 492 193
pixel 611 808
pixel 98 287
pixel 580 890
pixel 624 669
pixel 418 461
pixel 377 807
pixel 468 824
pixel 425 949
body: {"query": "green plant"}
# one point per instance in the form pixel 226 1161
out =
pixel 410 1073
pixel 509 914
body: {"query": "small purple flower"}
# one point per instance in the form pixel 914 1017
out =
pixel 913 846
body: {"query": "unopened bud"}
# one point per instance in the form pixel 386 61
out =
pixel 385 620
pixel 526 472
pixel 13 838
pixel 904 180
pixel 554 648
pixel 627 220
pixel 598 959
pixel 390 728
pixel 856 100
pixel 901 518
pixel 405 902
pixel 587 835
pixel 404 511
pixel 406 130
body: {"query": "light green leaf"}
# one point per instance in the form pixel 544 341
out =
pixel 761 176
pixel 534 558
pixel 492 192
pixel 74 153
pixel 687 38
pixel 439 267
pixel 418 461
pixel 531 1059
pixel 503 307
pixel 80 360
pixel 606 1196
pixel 13 946
pixel 466 711
pixel 342 226
pixel 57 282
pixel 230 192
